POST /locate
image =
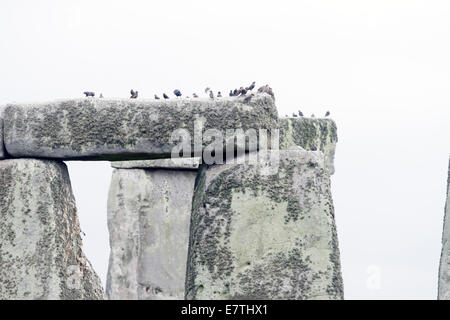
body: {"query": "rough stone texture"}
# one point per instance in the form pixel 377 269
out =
pixel 102 129
pixel 148 218
pixel 41 253
pixel 258 236
pixel 175 163
pixel 2 147
pixel 444 269
pixel 310 134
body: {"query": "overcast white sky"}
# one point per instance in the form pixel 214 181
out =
pixel 381 67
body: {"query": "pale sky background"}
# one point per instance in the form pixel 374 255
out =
pixel 381 67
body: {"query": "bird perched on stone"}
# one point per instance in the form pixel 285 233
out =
pixel 101 96
pixel 327 113
pixel 165 96
pixel 242 91
pixel 313 148
pixel 211 94
pixel 89 93
pixel 207 89
pixel 235 92
pixel 300 113
pixel 195 95
pixel 266 89
pixel 156 97
pixel 294 115
pixel 251 87
pixel 219 94
pixel 134 94
pixel 177 92
pixel 313 116
pixel 248 98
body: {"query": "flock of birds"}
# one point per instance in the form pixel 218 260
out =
pixel 300 114
pixel 245 92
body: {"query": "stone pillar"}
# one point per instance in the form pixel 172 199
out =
pixel 256 235
pixel 149 210
pixel 444 269
pixel 41 253
pixel 310 134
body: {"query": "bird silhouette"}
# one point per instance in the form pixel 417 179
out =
pixel 235 92
pixel 195 95
pixel 207 89
pixel 134 94
pixel 177 92
pixel 300 113
pixel 231 93
pixel 251 87
pixel 211 94
pixel 89 93
pixel 294 115
pixel 156 97
pixel 266 89
pixel 219 94
pixel 101 96
pixel 327 113
pixel 165 96
pixel 313 116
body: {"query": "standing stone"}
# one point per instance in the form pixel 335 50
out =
pixel 41 253
pixel 444 270
pixel 2 146
pixel 256 235
pixel 310 134
pixel 148 219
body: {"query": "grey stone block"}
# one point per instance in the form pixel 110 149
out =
pixel 41 253
pixel 258 233
pixel 148 219
pixel 102 129
pixel 175 163
pixel 444 269
pixel 310 134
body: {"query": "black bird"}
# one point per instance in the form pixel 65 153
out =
pixel 235 92
pixel 165 96
pixel 242 91
pixel 89 93
pixel 219 94
pixel 156 97
pixel 134 94
pixel 177 92
pixel 231 93
pixel 300 113
pixel 211 94
pixel 251 87
pixel 195 95
pixel 294 115
pixel 313 148
pixel 327 113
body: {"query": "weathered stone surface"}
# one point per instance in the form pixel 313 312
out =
pixel 258 236
pixel 101 129
pixel 148 218
pixel 310 134
pixel 175 163
pixel 41 253
pixel 444 269
pixel 2 147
